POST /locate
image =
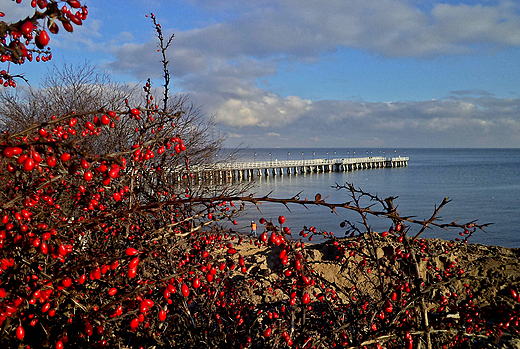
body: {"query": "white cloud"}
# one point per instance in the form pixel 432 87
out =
pixel 441 123
pixel 14 12
pixel 220 64
pixel 302 29
pixel 465 24
pixel 122 37
pixel 475 92
pixel 262 109
pixel 83 37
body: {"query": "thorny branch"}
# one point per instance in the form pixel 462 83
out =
pixel 163 47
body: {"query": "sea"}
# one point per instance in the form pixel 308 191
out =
pixel 482 184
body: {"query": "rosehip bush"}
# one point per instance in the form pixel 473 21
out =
pixel 120 249
pixel 96 247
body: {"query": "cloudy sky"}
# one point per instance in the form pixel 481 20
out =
pixel 320 73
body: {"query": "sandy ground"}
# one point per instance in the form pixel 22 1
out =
pixel 490 271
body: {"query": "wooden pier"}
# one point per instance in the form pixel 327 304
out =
pixel 250 170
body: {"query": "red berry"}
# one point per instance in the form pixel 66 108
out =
pixel 42 4
pixel 114 171
pixel 306 298
pixel 131 251
pixel 105 120
pixel 53 28
pixel 267 332
pixel 20 332
pixel 281 219
pixel 388 306
pixel 144 306
pixel 134 324
pixel 42 39
pixel 65 157
pixel 27 28
pixel 74 3
pixel 185 290
pixel 67 282
pixel 51 161
pixel 68 27
pixel 133 263
pixel 28 164
pixel 8 152
pixel 84 164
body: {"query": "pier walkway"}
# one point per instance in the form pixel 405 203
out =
pixel 249 170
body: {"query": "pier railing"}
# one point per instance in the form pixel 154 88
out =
pixel 299 163
pixel 242 170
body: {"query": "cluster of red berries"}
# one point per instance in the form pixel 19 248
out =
pixel 16 38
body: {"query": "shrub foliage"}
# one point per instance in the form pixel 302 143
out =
pixel 120 249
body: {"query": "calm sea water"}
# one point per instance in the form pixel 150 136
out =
pixel 483 184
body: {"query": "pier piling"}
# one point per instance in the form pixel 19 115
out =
pixel 249 170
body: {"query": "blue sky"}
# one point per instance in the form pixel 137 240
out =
pixel 327 73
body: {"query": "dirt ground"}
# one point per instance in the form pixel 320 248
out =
pixel 490 271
